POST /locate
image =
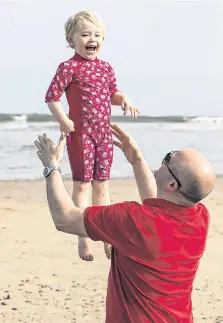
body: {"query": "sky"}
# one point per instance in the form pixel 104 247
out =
pixel 167 55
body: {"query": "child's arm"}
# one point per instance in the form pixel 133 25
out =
pixel 122 100
pixel 61 80
pixel 66 125
pixel 118 98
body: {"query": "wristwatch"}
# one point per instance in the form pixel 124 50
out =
pixel 48 170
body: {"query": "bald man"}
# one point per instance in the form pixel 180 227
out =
pixel 185 177
pixel 157 245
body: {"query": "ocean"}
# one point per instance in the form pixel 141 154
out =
pixel 155 136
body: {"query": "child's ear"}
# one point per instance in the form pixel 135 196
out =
pixel 70 42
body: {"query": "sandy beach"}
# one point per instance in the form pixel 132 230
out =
pixel 43 280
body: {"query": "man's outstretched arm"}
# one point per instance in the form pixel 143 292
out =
pixel 145 179
pixel 66 216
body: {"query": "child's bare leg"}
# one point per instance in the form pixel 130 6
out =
pixel 81 199
pixel 100 196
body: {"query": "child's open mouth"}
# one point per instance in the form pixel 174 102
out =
pixel 91 48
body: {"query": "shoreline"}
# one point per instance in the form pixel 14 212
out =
pixel 67 179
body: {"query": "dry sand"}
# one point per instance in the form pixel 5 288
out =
pixel 43 280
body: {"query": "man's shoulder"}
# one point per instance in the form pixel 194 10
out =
pixel 118 205
pixel 203 209
pixel 135 209
pixel 202 206
pixel 129 208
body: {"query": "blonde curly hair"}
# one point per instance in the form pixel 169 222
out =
pixel 78 19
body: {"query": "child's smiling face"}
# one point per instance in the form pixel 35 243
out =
pixel 87 40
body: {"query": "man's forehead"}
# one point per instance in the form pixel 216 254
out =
pixel 181 159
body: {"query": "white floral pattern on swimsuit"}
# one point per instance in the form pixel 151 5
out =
pixel 91 83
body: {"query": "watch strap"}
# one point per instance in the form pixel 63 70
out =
pixel 49 169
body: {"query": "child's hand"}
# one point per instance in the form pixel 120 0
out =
pixel 67 127
pixel 126 105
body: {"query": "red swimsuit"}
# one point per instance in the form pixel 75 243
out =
pixel 89 86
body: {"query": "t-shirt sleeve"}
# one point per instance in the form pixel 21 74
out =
pixel 113 83
pixel 60 81
pixel 119 224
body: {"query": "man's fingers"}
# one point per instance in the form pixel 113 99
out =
pixel 120 132
pixel 39 155
pixel 62 136
pixel 38 146
pixel 47 140
pixel 115 127
pixel 115 133
pixel 42 142
pixel 62 141
pixel 118 144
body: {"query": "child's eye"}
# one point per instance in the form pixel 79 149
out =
pixel 84 35
pixel 97 35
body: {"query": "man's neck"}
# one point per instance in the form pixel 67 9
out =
pixel 175 199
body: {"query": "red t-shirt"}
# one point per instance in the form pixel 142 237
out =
pixel 157 248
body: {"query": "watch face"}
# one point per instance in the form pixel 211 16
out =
pixel 45 172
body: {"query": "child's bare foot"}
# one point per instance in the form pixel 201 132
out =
pixel 85 249
pixel 108 250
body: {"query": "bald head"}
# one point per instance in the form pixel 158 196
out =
pixel 195 173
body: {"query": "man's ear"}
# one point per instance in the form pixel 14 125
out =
pixel 173 186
